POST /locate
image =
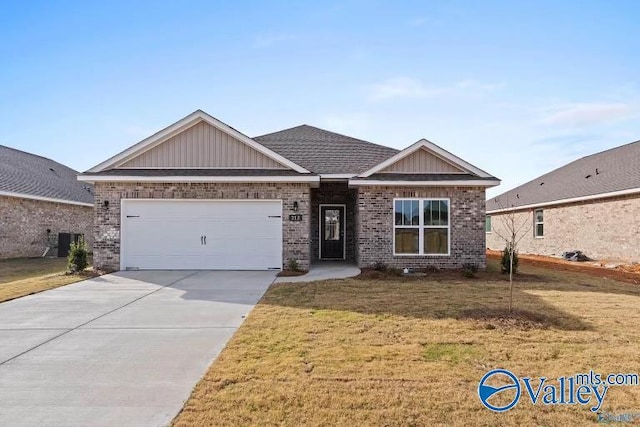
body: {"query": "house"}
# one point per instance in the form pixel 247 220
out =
pixel 201 195
pixel 39 199
pixel 591 205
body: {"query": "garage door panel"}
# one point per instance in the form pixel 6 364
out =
pixel 166 234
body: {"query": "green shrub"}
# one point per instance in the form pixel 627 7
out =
pixel 78 258
pixel 504 262
pixel 293 264
pixel 469 270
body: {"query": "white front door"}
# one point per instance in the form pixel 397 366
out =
pixel 201 234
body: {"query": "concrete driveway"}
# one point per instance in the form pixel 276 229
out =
pixel 123 349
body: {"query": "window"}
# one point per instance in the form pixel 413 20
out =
pixel 538 220
pixel 421 227
pixel 487 224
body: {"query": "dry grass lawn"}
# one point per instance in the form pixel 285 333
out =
pixel 25 276
pixel 398 352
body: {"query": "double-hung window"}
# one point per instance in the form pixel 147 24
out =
pixel 421 226
pixel 538 218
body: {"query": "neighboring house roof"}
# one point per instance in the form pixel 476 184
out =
pixel 324 152
pixel 609 173
pixel 28 175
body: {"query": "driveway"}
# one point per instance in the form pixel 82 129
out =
pixel 123 349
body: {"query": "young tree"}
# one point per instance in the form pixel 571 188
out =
pixel 512 231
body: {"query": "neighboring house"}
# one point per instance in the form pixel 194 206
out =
pixel 591 205
pixel 40 198
pixel 201 195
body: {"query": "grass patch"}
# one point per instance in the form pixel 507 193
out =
pixel 25 276
pixel 398 351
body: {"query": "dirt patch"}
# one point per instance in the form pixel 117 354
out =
pixel 620 273
pixel 504 319
pixel 491 274
pixel 291 273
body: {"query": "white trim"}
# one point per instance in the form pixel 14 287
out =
pixel 201 168
pixel 451 183
pixel 434 149
pixel 122 213
pixel 421 227
pixel 119 178
pixel 344 228
pixel 337 175
pixel 183 124
pixel 570 200
pixel 43 199
pixel 485 224
pixel 536 223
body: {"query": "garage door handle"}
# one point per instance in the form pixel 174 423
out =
pixel 205 240
pixel 202 240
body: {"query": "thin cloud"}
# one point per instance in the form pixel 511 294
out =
pixel 587 114
pixel 411 88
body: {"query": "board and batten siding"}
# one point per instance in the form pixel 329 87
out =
pixel 422 162
pixel 202 146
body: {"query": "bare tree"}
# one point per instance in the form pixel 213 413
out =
pixel 512 232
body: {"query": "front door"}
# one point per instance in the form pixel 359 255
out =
pixel 332 231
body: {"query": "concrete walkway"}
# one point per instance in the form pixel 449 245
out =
pixel 325 270
pixel 124 349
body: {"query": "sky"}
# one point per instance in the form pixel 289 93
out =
pixel 517 88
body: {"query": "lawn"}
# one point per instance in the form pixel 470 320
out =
pixel 25 276
pixel 397 351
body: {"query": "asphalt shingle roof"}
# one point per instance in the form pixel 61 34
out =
pixel 28 174
pixel 321 151
pixel 196 172
pixel 612 170
pixel 424 177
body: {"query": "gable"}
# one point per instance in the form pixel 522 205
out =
pixel 202 146
pixel 422 161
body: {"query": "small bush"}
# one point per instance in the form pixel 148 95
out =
pixel 293 264
pixel 504 262
pixel 469 270
pixel 380 266
pixel 395 272
pixel 78 258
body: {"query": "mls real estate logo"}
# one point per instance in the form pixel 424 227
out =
pixel 500 390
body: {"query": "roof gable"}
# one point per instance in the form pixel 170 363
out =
pixel 422 161
pixel 184 139
pixel 425 157
pixel 202 146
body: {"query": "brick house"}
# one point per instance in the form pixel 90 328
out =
pixel 591 205
pixel 201 195
pixel 40 198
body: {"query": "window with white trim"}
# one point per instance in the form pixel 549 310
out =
pixel 487 224
pixel 538 219
pixel 421 226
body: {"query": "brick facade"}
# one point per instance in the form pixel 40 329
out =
pixel 28 227
pixel 107 221
pixel 339 194
pixel 375 221
pixel 602 229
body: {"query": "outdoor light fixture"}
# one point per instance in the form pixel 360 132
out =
pixel 105 204
pixel 295 206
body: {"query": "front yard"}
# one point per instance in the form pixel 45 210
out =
pixel 398 351
pixel 25 276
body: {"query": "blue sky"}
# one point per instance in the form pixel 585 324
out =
pixel 516 88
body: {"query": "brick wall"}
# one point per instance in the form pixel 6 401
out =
pixel 603 229
pixel 107 220
pixel 339 194
pixel 375 222
pixel 24 224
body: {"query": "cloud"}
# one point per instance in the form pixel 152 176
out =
pixel 411 88
pixel 587 114
pixel 268 40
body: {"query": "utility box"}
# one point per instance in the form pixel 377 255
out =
pixel 64 242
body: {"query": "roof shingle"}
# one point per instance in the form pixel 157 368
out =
pixel 612 170
pixel 321 151
pixel 33 175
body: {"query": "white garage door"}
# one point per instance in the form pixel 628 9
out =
pixel 201 234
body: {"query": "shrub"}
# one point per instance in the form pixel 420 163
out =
pixel 293 264
pixel 504 262
pixel 395 272
pixel 78 258
pixel 380 266
pixel 469 270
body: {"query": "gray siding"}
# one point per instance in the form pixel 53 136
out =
pixel 422 162
pixel 202 146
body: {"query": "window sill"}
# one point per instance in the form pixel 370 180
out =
pixel 422 255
